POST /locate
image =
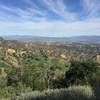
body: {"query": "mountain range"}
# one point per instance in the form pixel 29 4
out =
pixel 29 38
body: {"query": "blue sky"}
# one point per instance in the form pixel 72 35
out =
pixel 54 18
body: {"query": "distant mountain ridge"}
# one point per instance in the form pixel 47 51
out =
pixel 29 38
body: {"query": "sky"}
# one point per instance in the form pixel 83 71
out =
pixel 52 18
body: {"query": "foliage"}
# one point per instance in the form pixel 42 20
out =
pixel 11 92
pixel 71 93
pixel 40 76
pixel 3 82
pixel 80 73
pixel 42 66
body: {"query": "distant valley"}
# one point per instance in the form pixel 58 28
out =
pixel 79 39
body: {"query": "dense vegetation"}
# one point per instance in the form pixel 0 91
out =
pixel 71 93
pixel 28 67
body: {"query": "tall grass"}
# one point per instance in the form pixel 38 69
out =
pixel 71 93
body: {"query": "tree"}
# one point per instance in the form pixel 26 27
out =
pixel 80 72
pixel 40 76
pixel 3 82
pixel 14 76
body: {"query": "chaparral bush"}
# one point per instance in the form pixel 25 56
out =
pixel 71 93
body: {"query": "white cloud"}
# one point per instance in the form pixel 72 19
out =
pixel 58 7
pixel 27 20
pixel 27 14
pixel 92 7
pixel 30 2
pixel 57 28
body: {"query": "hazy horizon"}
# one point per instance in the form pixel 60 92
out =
pixel 50 18
pixel 34 36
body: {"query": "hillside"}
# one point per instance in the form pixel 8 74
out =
pixel 68 50
pixel 30 66
pixel 14 50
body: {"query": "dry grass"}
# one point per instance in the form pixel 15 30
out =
pixel 71 93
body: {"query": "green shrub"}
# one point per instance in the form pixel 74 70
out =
pixel 3 82
pixel 71 93
pixel 80 73
pixel 11 91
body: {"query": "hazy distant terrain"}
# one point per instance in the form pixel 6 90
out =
pixel 79 39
